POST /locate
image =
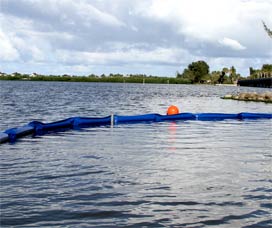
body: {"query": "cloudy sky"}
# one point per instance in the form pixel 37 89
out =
pixel 157 37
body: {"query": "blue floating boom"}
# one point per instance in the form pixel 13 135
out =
pixel 39 128
pixel 19 132
pixel 4 137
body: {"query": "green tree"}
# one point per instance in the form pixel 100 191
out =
pixel 225 70
pixel 251 71
pixel 195 72
pixel 233 74
pixel 199 69
pixel 215 75
pixel 187 75
pixel 267 67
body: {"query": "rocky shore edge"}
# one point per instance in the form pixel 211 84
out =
pixel 250 96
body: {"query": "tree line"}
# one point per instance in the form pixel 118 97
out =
pixel 196 73
pixel 118 78
pixel 199 72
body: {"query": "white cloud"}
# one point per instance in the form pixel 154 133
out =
pixel 164 35
pixel 78 13
pixel 211 18
pixel 28 48
pixel 156 56
pixel 233 44
pixel 8 51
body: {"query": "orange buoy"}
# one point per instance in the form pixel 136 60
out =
pixel 172 110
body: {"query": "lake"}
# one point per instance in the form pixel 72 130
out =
pixel 167 174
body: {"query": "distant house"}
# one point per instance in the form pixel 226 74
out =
pixel 33 75
pixel 3 74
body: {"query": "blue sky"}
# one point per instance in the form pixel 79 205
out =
pixel 153 37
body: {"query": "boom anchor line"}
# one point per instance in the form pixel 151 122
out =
pixel 38 128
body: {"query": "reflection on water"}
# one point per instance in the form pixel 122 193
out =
pixel 173 174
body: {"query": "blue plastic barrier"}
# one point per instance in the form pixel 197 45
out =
pixel 216 116
pixel 4 137
pixel 19 132
pixel 39 128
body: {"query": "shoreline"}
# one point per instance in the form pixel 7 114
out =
pixel 137 80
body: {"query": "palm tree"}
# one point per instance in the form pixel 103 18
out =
pixel 269 32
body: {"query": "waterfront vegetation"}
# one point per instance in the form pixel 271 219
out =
pixel 136 78
pixel 266 71
pixel 196 73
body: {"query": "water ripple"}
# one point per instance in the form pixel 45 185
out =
pixel 170 174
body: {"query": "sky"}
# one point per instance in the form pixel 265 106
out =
pixel 152 37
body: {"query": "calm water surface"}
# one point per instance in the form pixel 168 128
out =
pixel 169 174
